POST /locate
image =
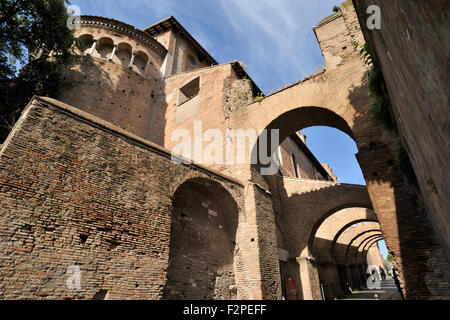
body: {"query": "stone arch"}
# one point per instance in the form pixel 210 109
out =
pixel 203 239
pixel 87 40
pixel 375 240
pixel 308 116
pixel 298 225
pixel 288 121
pixel 322 240
pixel 336 276
pixel 355 267
pixel 140 62
pixel 105 46
pixel 301 215
pixel 351 238
pixel 343 89
pixel 364 253
pixel 317 218
pixel 358 239
pixel 362 246
pixel 343 229
pixel 350 273
pixel 352 252
pixel 312 102
pixel 330 213
pixel 229 185
pixel 289 112
pixel 368 244
pixel 294 120
pixel 123 54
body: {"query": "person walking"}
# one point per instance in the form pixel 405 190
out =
pixel 382 273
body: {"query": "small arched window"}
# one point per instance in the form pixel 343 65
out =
pixel 87 40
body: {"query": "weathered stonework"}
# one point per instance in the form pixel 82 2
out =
pixel 412 48
pixel 101 206
pixel 91 183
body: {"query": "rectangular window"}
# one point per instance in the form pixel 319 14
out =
pixel 189 90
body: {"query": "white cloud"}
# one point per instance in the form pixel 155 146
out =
pixel 280 34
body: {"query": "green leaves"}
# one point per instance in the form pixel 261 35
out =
pixel 259 97
pixel 365 54
pixel 26 28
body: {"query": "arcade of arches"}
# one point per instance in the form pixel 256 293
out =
pixel 88 180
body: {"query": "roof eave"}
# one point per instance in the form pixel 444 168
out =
pixel 172 23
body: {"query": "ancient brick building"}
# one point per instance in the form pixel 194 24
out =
pixel 88 181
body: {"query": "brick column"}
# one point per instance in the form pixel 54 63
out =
pixel 260 266
pixel 309 278
pixel 421 262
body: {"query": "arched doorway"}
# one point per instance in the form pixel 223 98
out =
pixel 202 242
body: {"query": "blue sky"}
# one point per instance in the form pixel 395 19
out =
pixel 274 39
pixel 383 248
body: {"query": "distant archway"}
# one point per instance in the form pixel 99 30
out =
pixel 353 253
pixel 374 241
pixel 343 229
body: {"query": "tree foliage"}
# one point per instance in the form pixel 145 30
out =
pixel 34 45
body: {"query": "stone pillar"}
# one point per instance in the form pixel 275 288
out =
pixel 263 242
pixel 357 273
pixel 310 278
pixel 113 53
pixel 360 275
pixel 91 51
pixel 133 55
pixel 258 271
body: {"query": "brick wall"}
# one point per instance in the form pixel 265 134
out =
pixel 76 191
pixel 412 47
pixel 117 95
pixel 421 261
